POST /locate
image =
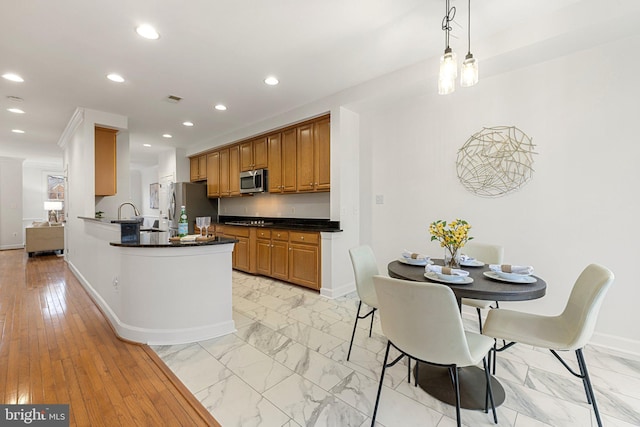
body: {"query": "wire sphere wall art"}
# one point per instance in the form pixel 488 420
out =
pixel 495 161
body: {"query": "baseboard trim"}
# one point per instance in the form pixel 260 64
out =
pixel 338 292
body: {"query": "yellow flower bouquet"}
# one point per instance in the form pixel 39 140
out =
pixel 452 237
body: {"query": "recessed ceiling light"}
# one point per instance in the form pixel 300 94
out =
pixel 220 107
pixel 167 135
pixel 271 81
pixel 187 123
pixel 147 145
pixel 13 77
pixel 15 110
pixel 115 78
pixel 17 131
pixel 147 31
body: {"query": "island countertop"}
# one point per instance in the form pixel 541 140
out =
pixel 161 240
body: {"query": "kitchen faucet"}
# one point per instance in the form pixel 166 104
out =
pixel 136 212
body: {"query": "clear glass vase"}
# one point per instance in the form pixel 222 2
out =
pixel 452 257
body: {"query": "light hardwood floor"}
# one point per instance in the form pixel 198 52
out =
pixel 57 347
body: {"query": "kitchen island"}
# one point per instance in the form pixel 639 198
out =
pixel 156 291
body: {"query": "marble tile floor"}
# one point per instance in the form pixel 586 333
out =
pixel 286 367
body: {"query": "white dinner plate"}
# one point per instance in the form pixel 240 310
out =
pixel 472 263
pixel 521 280
pixel 457 281
pixel 410 261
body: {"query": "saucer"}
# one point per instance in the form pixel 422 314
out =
pixel 520 280
pixel 459 280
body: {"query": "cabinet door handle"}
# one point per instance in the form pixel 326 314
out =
pixel 301 237
pixel 289 248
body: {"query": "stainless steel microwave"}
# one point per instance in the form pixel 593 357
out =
pixel 254 181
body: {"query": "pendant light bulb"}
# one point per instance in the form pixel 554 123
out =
pixel 469 72
pixel 448 65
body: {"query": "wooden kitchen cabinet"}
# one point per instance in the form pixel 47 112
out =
pixel 322 155
pixel 106 180
pixel 280 255
pixel 272 253
pixel 263 256
pixel 313 156
pixel 287 255
pixel 305 158
pixel 241 250
pixel 198 168
pixel 234 170
pixel 304 259
pixel 213 174
pixel 225 188
pixel 282 161
pixel 254 154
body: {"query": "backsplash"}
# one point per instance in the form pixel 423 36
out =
pixel 305 205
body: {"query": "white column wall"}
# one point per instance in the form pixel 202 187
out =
pixel 11 230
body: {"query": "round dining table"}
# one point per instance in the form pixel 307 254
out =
pixel 435 380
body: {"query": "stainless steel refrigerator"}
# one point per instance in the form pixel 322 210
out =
pixel 193 196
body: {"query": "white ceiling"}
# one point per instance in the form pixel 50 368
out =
pixel 214 51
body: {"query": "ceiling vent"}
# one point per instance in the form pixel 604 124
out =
pixel 174 99
pixel 14 98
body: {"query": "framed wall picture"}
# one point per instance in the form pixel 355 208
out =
pixel 154 193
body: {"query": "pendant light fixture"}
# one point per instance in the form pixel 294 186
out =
pixel 469 72
pixel 448 61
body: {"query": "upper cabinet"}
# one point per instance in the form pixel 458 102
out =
pixel 282 161
pixel 213 174
pixel 322 155
pixel 313 156
pixel 105 162
pixel 234 170
pixel 254 154
pixel 198 168
pixel 298 159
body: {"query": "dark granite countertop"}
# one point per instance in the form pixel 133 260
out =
pixel 113 220
pixel 302 224
pixel 161 240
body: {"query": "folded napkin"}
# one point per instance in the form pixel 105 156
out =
pixel 411 255
pixel 466 258
pixel 525 270
pixel 189 238
pixel 446 270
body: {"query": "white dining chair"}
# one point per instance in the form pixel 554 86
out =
pixel 422 321
pixel 364 268
pixel 569 331
pixel 489 254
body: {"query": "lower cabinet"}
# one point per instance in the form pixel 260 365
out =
pixel 241 258
pixel 290 256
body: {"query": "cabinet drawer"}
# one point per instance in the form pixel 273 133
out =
pixel 236 231
pixel 280 235
pixel 263 234
pixel 304 237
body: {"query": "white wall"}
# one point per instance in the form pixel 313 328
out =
pixel 580 207
pixel 148 176
pixel 77 141
pixel 11 230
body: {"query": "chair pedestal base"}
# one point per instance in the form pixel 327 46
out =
pixel 436 381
